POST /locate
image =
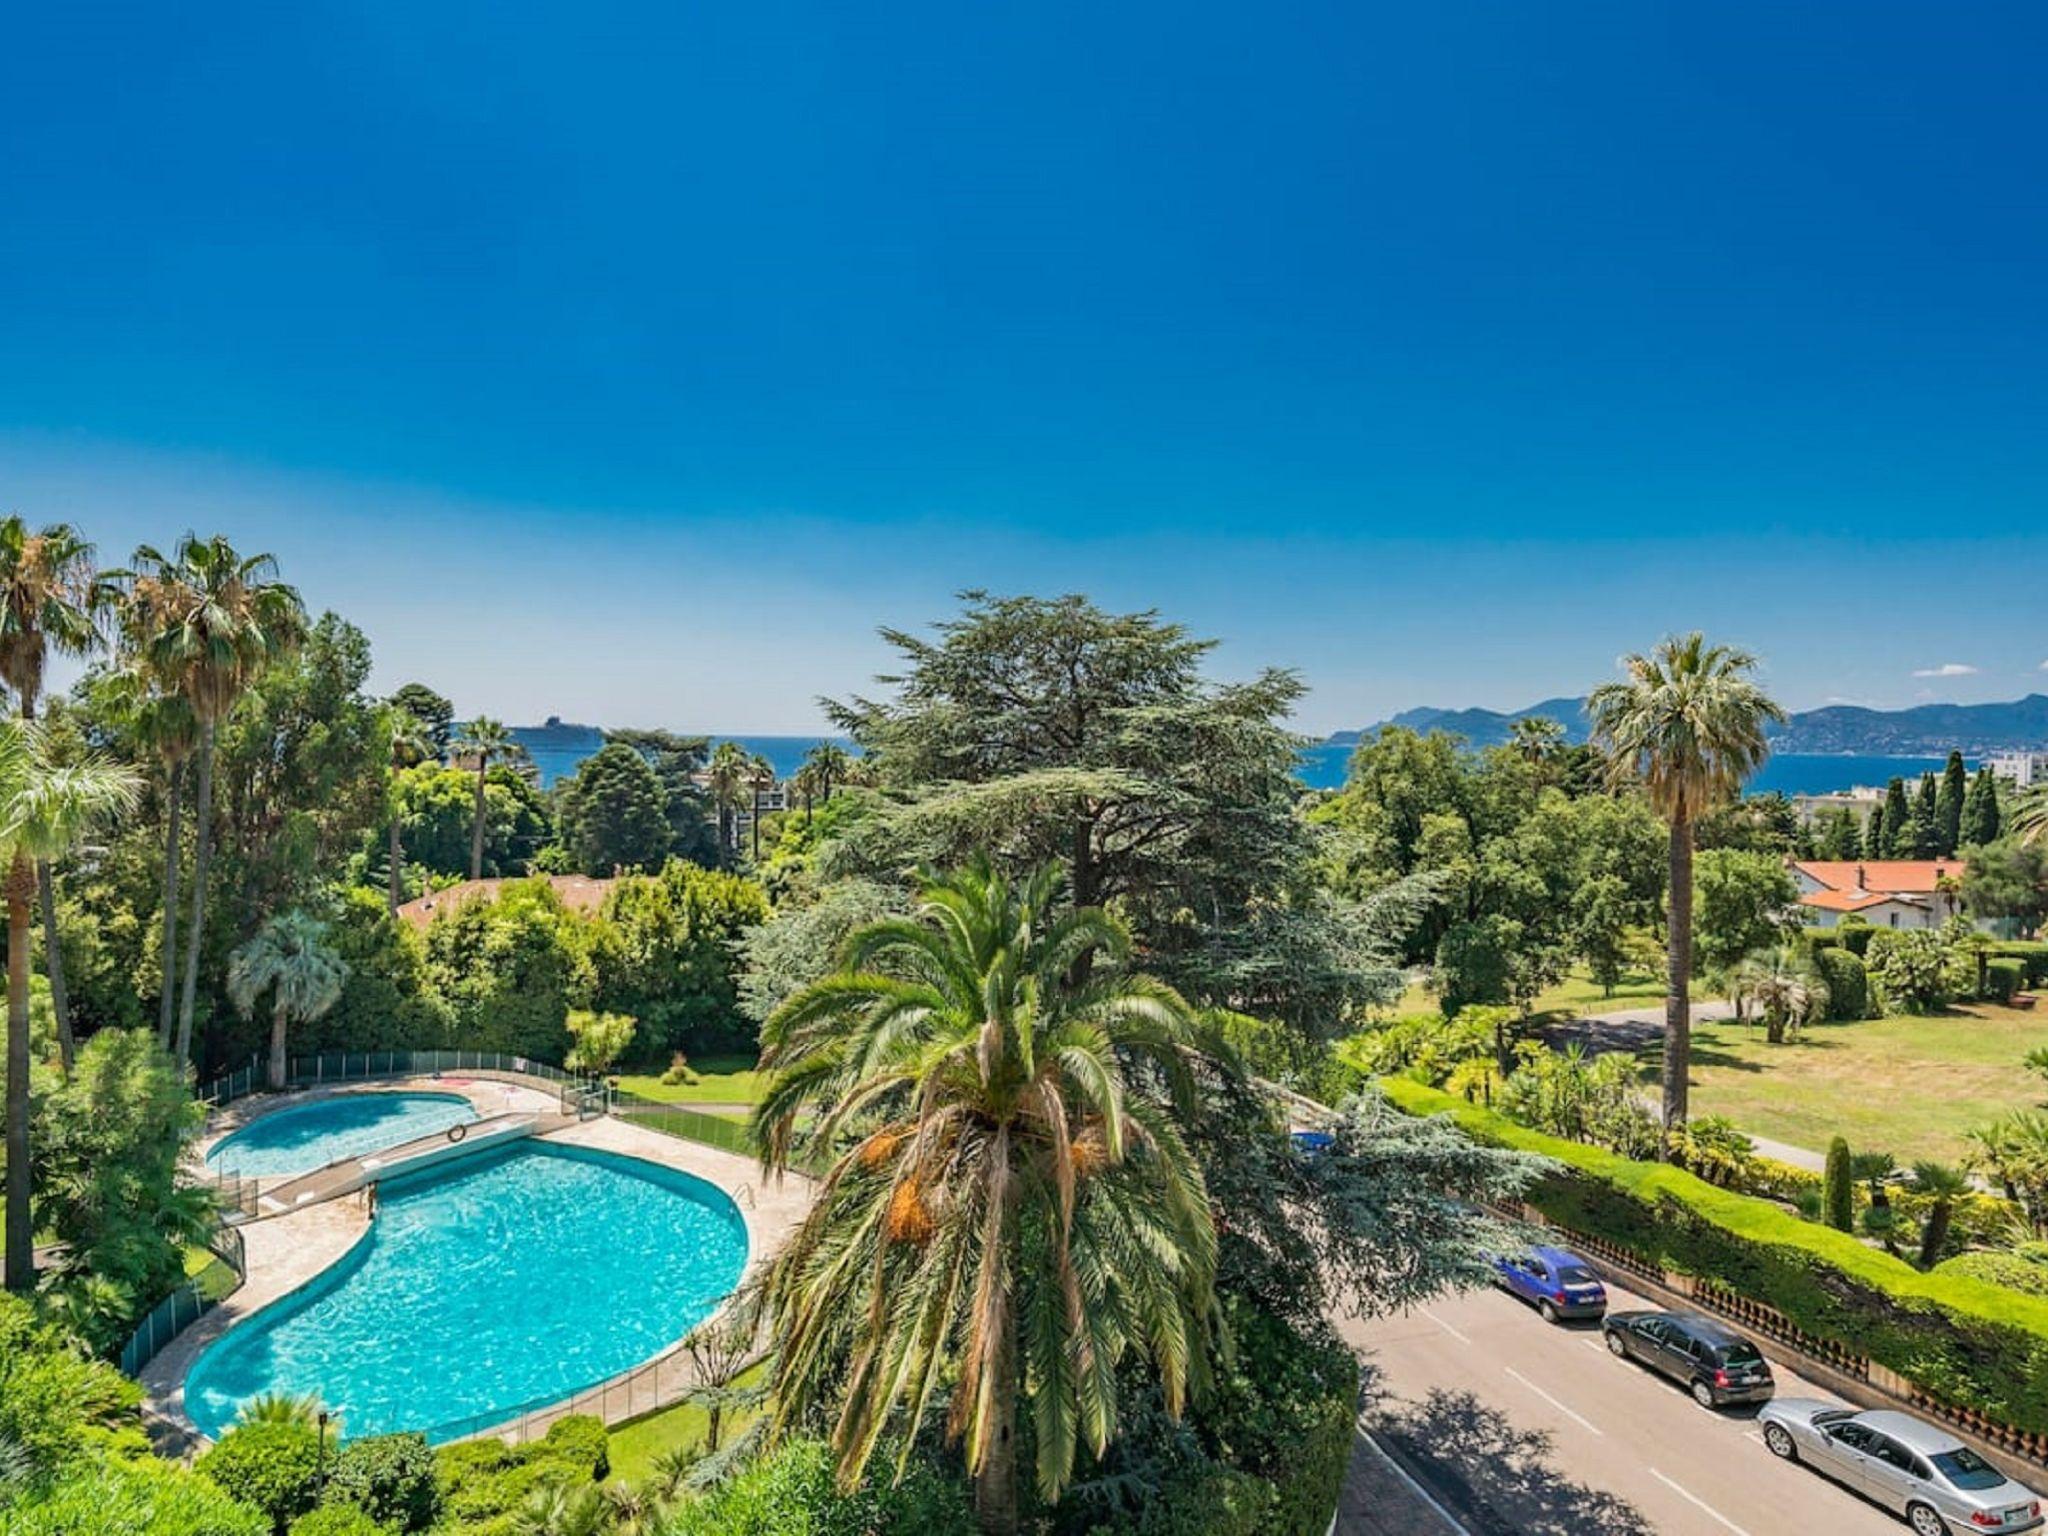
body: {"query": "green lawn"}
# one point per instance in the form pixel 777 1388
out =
pixel 720 1080
pixel 1577 994
pixel 1907 1086
pixel 634 1446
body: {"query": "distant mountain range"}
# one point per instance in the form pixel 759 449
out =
pixel 1925 730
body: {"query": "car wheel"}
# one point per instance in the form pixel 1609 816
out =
pixel 1615 1346
pixel 1925 1521
pixel 1549 1312
pixel 1703 1394
pixel 1778 1440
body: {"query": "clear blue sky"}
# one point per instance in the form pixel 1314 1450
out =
pixel 633 361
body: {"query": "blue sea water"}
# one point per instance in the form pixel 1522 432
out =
pixel 1791 773
pixel 556 751
pixel 506 1282
pixel 309 1136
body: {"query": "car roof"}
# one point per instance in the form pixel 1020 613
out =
pixel 1557 1255
pixel 1909 1431
pixel 1706 1329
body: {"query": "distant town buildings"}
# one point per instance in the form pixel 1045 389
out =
pixel 2021 769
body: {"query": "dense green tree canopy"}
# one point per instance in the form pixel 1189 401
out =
pixel 614 813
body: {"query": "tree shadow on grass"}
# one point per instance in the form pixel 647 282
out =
pixel 1502 1479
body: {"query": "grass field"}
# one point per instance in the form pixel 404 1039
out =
pixel 633 1447
pixel 720 1080
pixel 1577 994
pixel 1907 1086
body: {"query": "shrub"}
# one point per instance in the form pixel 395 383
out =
pixel 54 1401
pixel 2003 979
pixel 1956 1336
pixel 792 1492
pixel 390 1478
pixel 483 1481
pixel 1914 967
pixel 1848 982
pixel 129 1498
pixel 338 1520
pixel 1855 934
pixel 580 1441
pixel 2032 955
pixel 1838 1187
pixel 271 1466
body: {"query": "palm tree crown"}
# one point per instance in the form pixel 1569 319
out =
pixel 485 740
pixel 291 959
pixel 1784 984
pixel 51 599
pixel 1010 1191
pixel 829 763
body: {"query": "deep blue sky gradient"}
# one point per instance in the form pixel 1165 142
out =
pixel 631 361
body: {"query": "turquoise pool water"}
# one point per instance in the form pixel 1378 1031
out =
pixel 505 1281
pixel 309 1136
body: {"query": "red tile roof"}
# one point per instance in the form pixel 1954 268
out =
pixel 1900 876
pixel 1847 901
pixel 579 893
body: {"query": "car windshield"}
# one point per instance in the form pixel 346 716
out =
pixel 1966 1469
pixel 1740 1353
pixel 1577 1274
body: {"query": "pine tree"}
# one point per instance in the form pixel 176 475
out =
pixel 1980 811
pixel 1873 833
pixel 1844 837
pixel 1948 806
pixel 1898 821
pixel 1926 827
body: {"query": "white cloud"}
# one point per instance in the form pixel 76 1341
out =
pixel 1948 669
pixel 2044 666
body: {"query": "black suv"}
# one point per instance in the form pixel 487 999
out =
pixel 1716 1364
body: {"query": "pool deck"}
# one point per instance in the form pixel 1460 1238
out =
pixel 286 1251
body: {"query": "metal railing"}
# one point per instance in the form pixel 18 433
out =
pixel 662 1382
pixel 354 1066
pixel 231 1085
pixel 199 1295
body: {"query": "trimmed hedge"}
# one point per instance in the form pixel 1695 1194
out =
pixel 1848 982
pixel 2003 1269
pixel 390 1478
pixel 2003 979
pixel 1956 1336
pixel 2032 955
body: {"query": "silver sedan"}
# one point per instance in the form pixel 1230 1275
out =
pixel 1913 1469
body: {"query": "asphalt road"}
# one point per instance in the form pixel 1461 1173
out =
pixel 1523 1429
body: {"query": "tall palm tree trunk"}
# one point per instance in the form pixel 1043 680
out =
pixel 1678 978
pixel 167 1005
pixel 755 825
pixel 476 835
pixel 202 852
pixel 995 1485
pixel 21 1259
pixel 53 963
pixel 397 891
pixel 277 1028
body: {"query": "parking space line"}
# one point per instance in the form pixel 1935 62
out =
pixel 1695 1500
pixel 1560 1407
pixel 1447 1328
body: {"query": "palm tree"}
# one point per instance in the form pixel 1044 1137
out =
pixel 410 746
pixel 760 778
pixel 1689 725
pixel 205 623
pixel 1943 1186
pixel 831 762
pixel 1010 1208
pixel 807 781
pixel 1784 985
pixel 483 739
pixel 45 812
pixel 291 959
pixel 52 598
pixel 726 777
pixel 1536 738
pixel 2030 815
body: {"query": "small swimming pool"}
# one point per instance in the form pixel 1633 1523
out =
pixel 309 1136
pixel 506 1281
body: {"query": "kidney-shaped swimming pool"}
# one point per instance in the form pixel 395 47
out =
pixel 303 1137
pixel 502 1282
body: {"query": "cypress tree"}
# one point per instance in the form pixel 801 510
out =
pixel 1926 828
pixel 1948 806
pixel 1873 833
pixel 1898 821
pixel 1980 811
pixel 1838 1191
pixel 1844 839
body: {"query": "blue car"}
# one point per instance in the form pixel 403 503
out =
pixel 1561 1284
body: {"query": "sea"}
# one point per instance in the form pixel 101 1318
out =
pixel 556 748
pixel 1785 773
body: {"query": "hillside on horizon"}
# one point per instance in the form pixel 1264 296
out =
pixel 1924 730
